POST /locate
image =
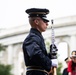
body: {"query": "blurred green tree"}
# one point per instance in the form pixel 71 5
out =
pixel 59 68
pixel 2 48
pixel 4 69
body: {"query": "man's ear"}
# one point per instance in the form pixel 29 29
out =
pixel 36 21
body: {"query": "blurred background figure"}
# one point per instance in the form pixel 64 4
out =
pixel 72 64
pixel 65 72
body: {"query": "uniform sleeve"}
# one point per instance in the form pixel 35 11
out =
pixel 69 66
pixel 34 51
pixel 45 61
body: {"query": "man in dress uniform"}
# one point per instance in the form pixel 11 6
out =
pixel 36 58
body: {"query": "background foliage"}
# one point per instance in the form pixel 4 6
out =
pixel 4 69
pixel 59 69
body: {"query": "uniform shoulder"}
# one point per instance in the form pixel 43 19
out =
pixel 32 38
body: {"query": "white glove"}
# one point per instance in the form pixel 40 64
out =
pixel 54 62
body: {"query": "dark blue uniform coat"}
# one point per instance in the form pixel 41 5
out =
pixel 35 53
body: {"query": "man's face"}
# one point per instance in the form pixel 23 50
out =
pixel 42 24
